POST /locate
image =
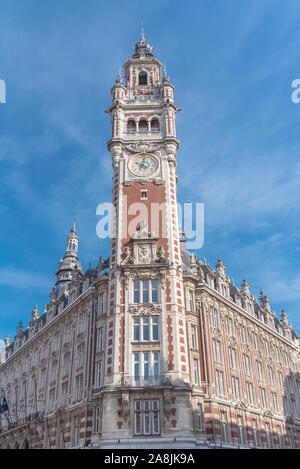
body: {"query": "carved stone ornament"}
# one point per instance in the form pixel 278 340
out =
pixel 145 309
pixel 245 348
pixel 217 333
pixel 143 254
pixel 232 341
pixel 143 147
pixel 127 257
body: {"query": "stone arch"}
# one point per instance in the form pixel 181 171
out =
pixel 16 445
pixel 25 444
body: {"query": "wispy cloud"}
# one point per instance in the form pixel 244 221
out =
pixel 11 277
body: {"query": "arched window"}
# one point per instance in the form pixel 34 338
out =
pixel 143 126
pixel 131 127
pixel 25 444
pixel 155 125
pixel 143 79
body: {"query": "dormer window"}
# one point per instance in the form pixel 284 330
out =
pixel 143 79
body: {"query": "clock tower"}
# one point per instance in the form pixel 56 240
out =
pixel 146 347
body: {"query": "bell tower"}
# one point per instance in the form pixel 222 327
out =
pixel 146 335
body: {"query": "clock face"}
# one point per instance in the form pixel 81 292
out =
pixel 143 165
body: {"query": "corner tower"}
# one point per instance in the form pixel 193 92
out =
pixel 146 335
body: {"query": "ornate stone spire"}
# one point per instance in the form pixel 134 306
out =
pixel 142 47
pixel 19 329
pixel 69 263
pixel 35 313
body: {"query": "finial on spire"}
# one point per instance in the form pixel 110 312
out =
pixel 74 223
pixel 142 31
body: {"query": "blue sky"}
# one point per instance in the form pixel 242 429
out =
pixel 232 63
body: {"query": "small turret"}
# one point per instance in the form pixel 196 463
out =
pixel 69 263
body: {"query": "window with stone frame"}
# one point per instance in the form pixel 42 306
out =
pixel 76 430
pixel 97 419
pixel 147 417
pixel 98 378
pixel 194 336
pixel 80 357
pixel 220 385
pixel 64 393
pixel 217 351
pixel 232 358
pixel 100 339
pixel 259 370
pixel 196 371
pixel 191 301
pixel 145 291
pixel 79 387
pixel 146 367
pixel 250 393
pixel 101 303
pixel 145 328
pixel 263 398
pixel 235 384
pixel 247 364
pixel 214 317
pixel 200 417
pixel 224 426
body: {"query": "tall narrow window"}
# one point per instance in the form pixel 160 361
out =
pixel 156 364
pixel 136 329
pixel 241 429
pixel 101 304
pixel 136 291
pixel 155 321
pixel 146 329
pixel 220 382
pixel 145 291
pixel 100 339
pixel 191 301
pixel 200 417
pixel 254 430
pixel 146 365
pixel 196 371
pixel 97 420
pixel 224 433
pixel 99 374
pixel 136 366
pixel 154 285
pixel 143 78
pixel 194 336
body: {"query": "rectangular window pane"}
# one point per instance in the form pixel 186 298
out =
pixel 136 358
pixel 156 364
pixel 146 335
pixel 155 328
pixel 154 286
pixel 136 329
pixel 145 291
pixel 146 364
pixel 136 291
pixel 194 337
